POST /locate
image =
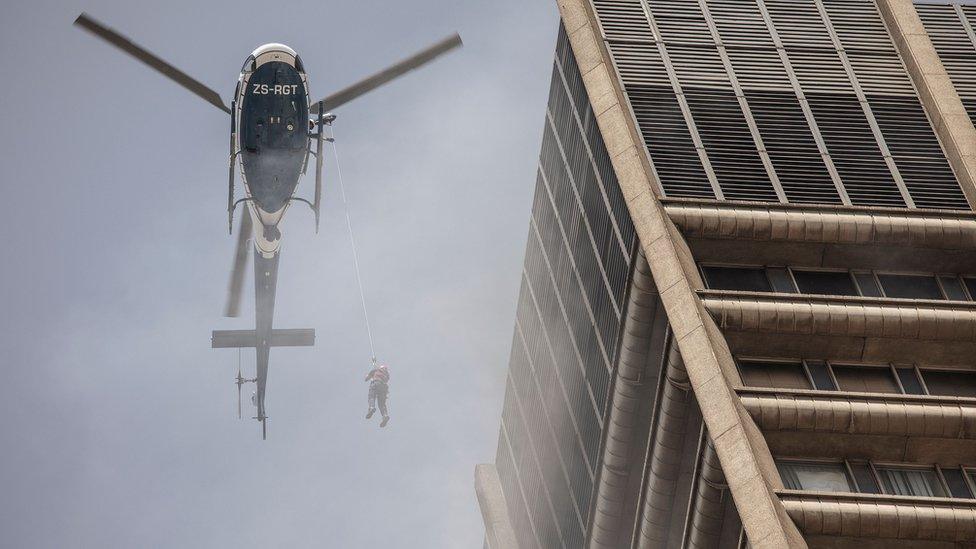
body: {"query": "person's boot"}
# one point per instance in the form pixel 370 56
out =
pixel 386 419
pixel 370 413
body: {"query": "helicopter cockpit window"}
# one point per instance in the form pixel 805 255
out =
pixel 299 66
pixel 248 64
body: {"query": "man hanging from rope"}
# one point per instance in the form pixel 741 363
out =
pixel 378 379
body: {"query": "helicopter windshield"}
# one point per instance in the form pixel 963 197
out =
pixel 248 65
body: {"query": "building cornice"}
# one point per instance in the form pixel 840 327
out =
pixel 882 516
pixel 862 317
pixel 854 414
pixel 713 219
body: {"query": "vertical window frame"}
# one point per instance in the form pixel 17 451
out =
pixel 871 471
pixel 874 276
pixel 789 273
pixel 958 279
pixel 830 373
pixel 894 373
pixel 969 475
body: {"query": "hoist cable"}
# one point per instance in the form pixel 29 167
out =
pixel 352 241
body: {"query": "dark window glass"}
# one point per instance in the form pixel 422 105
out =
pixel 865 379
pixel 818 477
pixel 970 285
pixel 910 286
pixel 781 280
pixel 911 482
pixel 770 374
pixel 957 483
pixel 910 381
pixel 953 288
pixel 825 282
pixel 821 375
pixel 950 383
pixel 866 483
pixel 737 278
pixel 869 286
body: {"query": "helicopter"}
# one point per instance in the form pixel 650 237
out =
pixel 272 127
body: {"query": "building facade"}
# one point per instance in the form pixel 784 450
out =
pixel 747 314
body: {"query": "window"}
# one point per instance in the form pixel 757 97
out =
pixel 947 383
pixel 820 374
pixel 865 379
pixel 910 286
pixel 970 284
pixel 956 481
pixel 910 382
pixel 781 280
pixel 953 289
pixel 751 279
pixel 866 478
pixel 868 284
pixel 911 482
pixel 839 283
pixel 818 477
pixel 825 283
pixel 896 379
pixel 771 374
pixel 867 483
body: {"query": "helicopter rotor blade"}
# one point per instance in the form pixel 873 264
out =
pixel 111 36
pixel 371 83
pixel 237 272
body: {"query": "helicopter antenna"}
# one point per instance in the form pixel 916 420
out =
pixel 240 381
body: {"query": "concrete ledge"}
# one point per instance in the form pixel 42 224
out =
pixel 888 517
pixel 861 414
pixel 860 317
pixel 831 225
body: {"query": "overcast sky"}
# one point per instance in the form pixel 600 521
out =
pixel 119 422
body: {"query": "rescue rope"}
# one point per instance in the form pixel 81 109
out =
pixel 352 241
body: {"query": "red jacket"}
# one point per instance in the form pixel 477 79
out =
pixel 378 374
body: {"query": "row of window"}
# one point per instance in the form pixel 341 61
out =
pixel 828 376
pixel 559 372
pixel 872 478
pixel 836 282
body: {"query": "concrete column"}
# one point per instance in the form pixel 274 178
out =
pixel 665 455
pixel 749 467
pixel 708 512
pixel 621 463
pixel 949 117
pixel 499 533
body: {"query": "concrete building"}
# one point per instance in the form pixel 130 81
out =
pixel 748 306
